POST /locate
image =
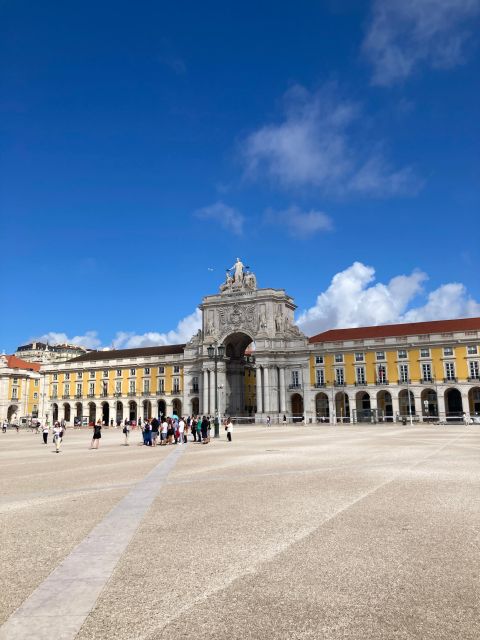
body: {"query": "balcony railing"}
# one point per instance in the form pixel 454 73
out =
pixel 90 395
pixel 427 380
pixel 474 378
pixel 452 379
pixel 337 383
pixel 15 398
pixel 361 384
pixel 66 396
pixel 78 395
pixel 194 390
pixel 54 396
pixel 146 392
pixel 176 391
pixel 132 394
pixel 118 394
pixel 380 381
pixel 160 392
pixel 295 385
pixel 320 385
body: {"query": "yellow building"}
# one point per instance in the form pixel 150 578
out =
pixel 21 389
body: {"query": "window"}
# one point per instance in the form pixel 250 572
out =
pixel 131 386
pixel 295 379
pixel 450 370
pixel 474 369
pixel 79 375
pixel 402 354
pixel 55 376
pixel 146 386
pixel 105 388
pixel 424 353
pixel 54 390
pixel 119 373
pixel 320 377
pixel 176 385
pixel 339 357
pixel 359 357
pixel 67 389
pixel 448 351
pixel 118 386
pixel 360 372
pixel 35 383
pixel 318 359
pixel 381 374
pixel 79 389
pixel 14 392
pixel 91 388
pixel 195 384
pixel 161 369
pixel 427 372
pixel 67 376
pixel 92 374
pixel 404 373
pixel 380 355
pixel 339 376
pixel 146 371
pixel 105 373
pixel 161 385
pixel 472 350
pixel 35 396
pixel 132 372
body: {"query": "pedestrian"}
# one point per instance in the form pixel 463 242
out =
pixel 284 420
pixel 45 431
pixel 4 426
pixel 268 421
pixel 126 431
pixel 170 431
pixel 193 426
pixel 204 429
pixel 57 437
pixel 181 431
pixel 147 434
pixel 155 424
pixel 199 429
pixel 229 429
pixel 97 434
pixel 163 432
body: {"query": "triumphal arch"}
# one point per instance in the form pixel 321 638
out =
pixel 256 328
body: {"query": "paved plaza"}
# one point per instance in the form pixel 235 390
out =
pixel 319 531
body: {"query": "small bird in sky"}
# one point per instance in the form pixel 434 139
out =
pixel 210 269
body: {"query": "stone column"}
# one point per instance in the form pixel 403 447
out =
pixel 283 395
pixel 113 412
pixel 211 406
pixel 258 378
pixel 204 408
pixel 373 407
pixel 395 406
pixel 441 406
pixel 266 389
pixel 221 384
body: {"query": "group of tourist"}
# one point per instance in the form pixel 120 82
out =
pixel 175 430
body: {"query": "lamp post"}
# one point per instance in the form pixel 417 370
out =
pixel 216 353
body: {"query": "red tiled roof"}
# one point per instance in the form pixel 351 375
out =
pixel 394 330
pixel 17 363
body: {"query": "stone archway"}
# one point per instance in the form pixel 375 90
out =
pixel 474 401
pixel 406 403
pixel 453 404
pixel 385 406
pixel 78 414
pixel 162 408
pixel 147 409
pixel 429 404
pixel 66 412
pixel 118 412
pixel 363 407
pixel 297 407
pixel 195 406
pixel 322 408
pixel 55 412
pixel 92 413
pixel 12 413
pixel 177 407
pixel 235 401
pixel 132 411
pixel 105 413
pixel 342 407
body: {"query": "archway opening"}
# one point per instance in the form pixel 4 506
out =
pixel 453 404
pixel 342 407
pixel 297 407
pixel 162 408
pixel 12 413
pixel 132 411
pixel 240 388
pixel 322 408
pixel 195 406
pixel 55 412
pixel 119 412
pixel 147 409
pixel 363 407
pixel 177 407
pixel 385 406
pixel 105 413
pixel 78 414
pixel 474 401
pixel 429 403
pixel 66 412
pixel 406 403
pixel 92 413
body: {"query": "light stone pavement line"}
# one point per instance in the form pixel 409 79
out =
pixel 41 496
pixel 227 582
pixel 57 609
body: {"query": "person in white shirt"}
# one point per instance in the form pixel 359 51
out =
pixel 229 429
pixel 57 437
pixel 181 430
pixel 163 432
pixel 45 431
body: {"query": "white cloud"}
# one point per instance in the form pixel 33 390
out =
pixel 185 329
pixel 316 145
pixel 354 299
pixel 404 34
pixel 299 223
pixel 228 217
pixel 90 340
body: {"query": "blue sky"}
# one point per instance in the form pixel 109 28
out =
pixel 334 149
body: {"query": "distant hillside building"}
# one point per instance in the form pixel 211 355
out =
pixel 45 353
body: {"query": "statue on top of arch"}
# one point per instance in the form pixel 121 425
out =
pixel 238 279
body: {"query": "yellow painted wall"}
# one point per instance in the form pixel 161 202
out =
pixel 414 364
pixel 312 369
pixel 437 363
pixel 392 369
pixel 329 369
pixel 168 379
pixel 461 366
pixel 349 359
pixel 370 371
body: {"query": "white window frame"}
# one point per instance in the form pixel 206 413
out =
pixel 450 373
pixel 360 375
pixel 404 373
pixel 380 355
pixel 339 358
pixel 472 350
pixel 340 376
pixel 448 352
pixel 425 353
pixel 427 366
pixel 402 354
pixel 359 357
pixel 319 359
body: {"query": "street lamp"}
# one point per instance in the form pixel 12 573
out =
pixel 216 353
